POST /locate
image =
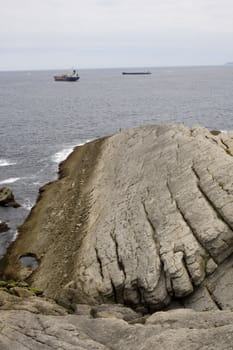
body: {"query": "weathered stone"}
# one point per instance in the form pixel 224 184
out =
pixel 82 310
pixel 22 284
pixel 3 283
pixel 180 329
pixel 216 292
pixel 30 303
pixel 6 298
pixel 200 300
pixel 114 311
pixel 3 227
pixel 7 198
pixel 21 292
pixel 140 218
pixel 68 298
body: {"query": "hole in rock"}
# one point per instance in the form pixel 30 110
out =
pixel 29 260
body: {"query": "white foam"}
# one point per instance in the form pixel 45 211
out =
pixel 5 162
pixel 16 233
pixel 83 143
pixel 11 180
pixel 63 154
pixel 27 204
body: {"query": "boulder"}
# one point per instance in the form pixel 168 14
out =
pixel 28 302
pixel 141 218
pixel 7 198
pixel 114 311
pixel 3 227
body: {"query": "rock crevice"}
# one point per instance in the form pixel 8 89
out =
pixel 142 218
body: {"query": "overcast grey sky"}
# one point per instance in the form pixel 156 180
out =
pixel 41 34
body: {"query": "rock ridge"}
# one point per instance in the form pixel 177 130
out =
pixel 142 218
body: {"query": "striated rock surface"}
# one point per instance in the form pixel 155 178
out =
pixel 180 329
pixel 139 218
pixel 25 301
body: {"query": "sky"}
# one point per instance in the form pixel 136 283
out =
pixel 59 34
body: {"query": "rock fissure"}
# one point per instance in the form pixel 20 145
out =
pixel 154 235
pixel 37 339
pixel 216 210
pixel 213 298
pixel 226 147
pixel 100 263
pixel 114 292
pixel 218 183
pixel 192 230
pixel 16 339
pixel 119 260
pixel 136 217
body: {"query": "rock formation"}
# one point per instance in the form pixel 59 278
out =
pixel 3 227
pixel 143 218
pixel 180 329
pixel 37 323
pixel 7 198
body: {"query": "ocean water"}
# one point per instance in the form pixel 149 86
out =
pixel 42 120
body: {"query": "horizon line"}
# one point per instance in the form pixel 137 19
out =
pixel 114 67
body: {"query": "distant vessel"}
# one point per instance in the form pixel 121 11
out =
pixel 73 76
pixel 136 73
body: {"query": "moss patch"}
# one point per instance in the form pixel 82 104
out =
pixel 7 286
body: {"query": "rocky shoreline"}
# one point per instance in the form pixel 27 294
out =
pixel 138 222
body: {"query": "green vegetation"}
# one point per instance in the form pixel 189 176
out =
pixel 8 286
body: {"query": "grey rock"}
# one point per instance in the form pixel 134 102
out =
pixel 3 227
pixel 216 292
pixel 7 198
pixel 114 311
pixel 21 292
pixel 180 329
pixel 140 218
pixel 82 310
pixel 200 300
pixel 30 303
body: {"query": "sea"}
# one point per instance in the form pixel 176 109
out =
pixel 41 120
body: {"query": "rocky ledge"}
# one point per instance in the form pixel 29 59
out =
pixel 181 329
pixel 7 198
pixel 143 219
pixel 29 322
pixel 3 227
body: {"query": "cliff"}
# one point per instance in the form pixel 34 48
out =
pixel 140 218
pixel 143 218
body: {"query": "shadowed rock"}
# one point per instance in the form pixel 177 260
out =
pixel 180 329
pixel 138 218
pixel 3 227
pixel 7 198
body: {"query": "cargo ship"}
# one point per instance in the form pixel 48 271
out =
pixel 73 76
pixel 136 73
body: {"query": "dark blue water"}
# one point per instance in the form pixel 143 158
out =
pixel 41 120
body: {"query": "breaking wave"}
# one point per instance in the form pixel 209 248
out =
pixel 27 204
pixel 11 180
pixel 61 155
pixel 58 157
pixel 6 162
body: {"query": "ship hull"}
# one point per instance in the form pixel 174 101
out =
pixel 136 73
pixel 65 78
